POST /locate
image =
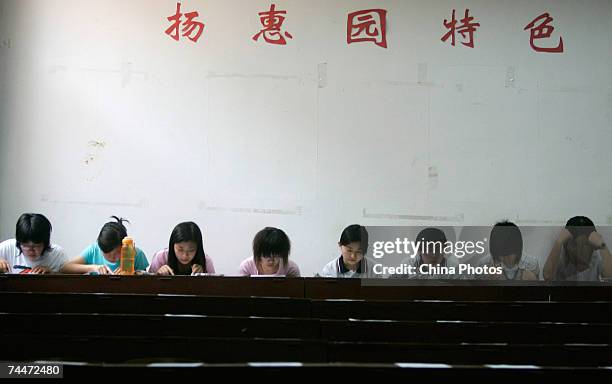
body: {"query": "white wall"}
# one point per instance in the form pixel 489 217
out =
pixel 237 135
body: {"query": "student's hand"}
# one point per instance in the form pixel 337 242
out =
pixel 41 270
pixel 596 240
pixel 564 236
pixel 4 266
pixel 197 268
pixel 165 270
pixel 102 270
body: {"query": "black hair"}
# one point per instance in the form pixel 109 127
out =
pixel 431 237
pixel 434 235
pixel 187 231
pixel 111 234
pixel 35 228
pixel 505 239
pixel 579 226
pixel 271 241
pixel 355 233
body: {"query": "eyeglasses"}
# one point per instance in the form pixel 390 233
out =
pixel 32 247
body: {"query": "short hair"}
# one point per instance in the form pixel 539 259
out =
pixel 111 234
pixel 271 241
pixel 183 232
pixel 579 226
pixel 355 233
pixel 35 228
pixel 432 235
pixel 505 239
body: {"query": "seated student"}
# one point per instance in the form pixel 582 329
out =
pixel 430 261
pixel 352 261
pixel 31 248
pixel 184 255
pixel 271 248
pixel 579 253
pixel 506 247
pixel 104 256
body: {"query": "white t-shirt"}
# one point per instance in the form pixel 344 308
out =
pixel 526 263
pixel 567 271
pixel 54 259
pixel 336 268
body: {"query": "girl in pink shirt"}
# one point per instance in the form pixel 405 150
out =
pixel 271 248
pixel 185 253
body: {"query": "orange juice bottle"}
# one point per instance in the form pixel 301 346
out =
pixel 128 256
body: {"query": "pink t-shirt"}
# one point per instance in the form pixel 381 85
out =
pixel 161 258
pixel 248 267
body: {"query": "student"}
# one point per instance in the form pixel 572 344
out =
pixel 104 256
pixel 579 253
pixel 184 255
pixel 31 248
pixel 506 251
pixel 352 261
pixel 271 248
pixel 430 261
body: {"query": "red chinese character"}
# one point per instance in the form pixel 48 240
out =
pixel 466 27
pixel 367 25
pixel 189 26
pixel 543 31
pixel 272 22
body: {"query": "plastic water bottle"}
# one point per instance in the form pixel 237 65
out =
pixel 128 256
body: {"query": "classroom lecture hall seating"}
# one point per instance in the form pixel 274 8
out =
pixel 158 326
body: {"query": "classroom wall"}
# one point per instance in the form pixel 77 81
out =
pixel 102 113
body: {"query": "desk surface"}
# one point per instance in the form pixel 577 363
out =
pixel 311 288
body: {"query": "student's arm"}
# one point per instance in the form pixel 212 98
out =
pixel 528 275
pixel 78 266
pixel 165 270
pixel 7 249
pixel 210 266
pixel 41 270
pixel 141 262
pixel 328 270
pixel 596 240
pixel 157 262
pixel 554 258
pixel 606 267
pixel 293 270
pixel 243 270
pixel 59 260
pixel 5 267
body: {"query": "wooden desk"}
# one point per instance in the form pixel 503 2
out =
pixel 122 303
pixel 186 326
pixel 311 288
pixel 186 285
